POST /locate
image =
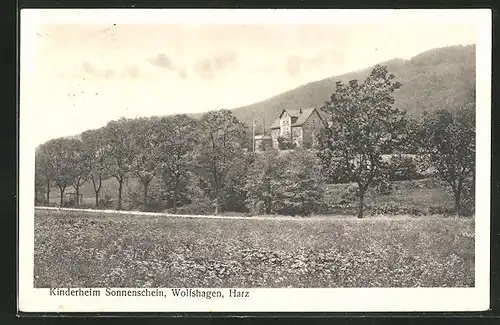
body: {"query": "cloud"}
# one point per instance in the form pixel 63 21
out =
pixel 162 61
pixel 207 68
pixel 87 69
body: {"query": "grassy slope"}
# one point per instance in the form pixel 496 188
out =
pixel 130 251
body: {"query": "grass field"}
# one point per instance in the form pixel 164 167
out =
pixel 81 249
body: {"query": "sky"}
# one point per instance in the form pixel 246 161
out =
pixel 84 75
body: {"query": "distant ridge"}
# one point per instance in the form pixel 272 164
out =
pixel 435 79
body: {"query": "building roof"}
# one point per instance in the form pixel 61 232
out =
pixel 304 116
pixel 299 116
pixel 276 124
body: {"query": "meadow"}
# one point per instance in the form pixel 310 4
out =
pixel 89 249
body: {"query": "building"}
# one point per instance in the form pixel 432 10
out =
pixel 263 142
pixel 300 126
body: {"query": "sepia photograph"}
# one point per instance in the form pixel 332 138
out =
pixel 206 156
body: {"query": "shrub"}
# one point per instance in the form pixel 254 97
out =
pixel 234 193
pixel 286 143
pixel 259 194
pixel 383 187
pixel 106 202
pixel 468 203
pixel 287 184
pixel 402 168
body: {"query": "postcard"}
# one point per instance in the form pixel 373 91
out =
pixel 189 160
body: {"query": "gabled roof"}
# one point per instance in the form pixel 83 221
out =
pixel 292 112
pixel 304 116
pixel 298 117
pixel 276 124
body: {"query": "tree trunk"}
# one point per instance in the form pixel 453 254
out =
pixel 97 199
pixel 77 199
pixel 145 199
pixel 457 203
pixel 97 189
pixel 176 193
pixel 48 193
pixel 61 199
pixel 120 189
pixel 361 203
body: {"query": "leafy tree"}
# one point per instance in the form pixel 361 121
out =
pixel 145 156
pixel 221 137
pixel 234 193
pixel 361 126
pixel 44 168
pixel 266 168
pixel 299 191
pixel 61 155
pixel 448 141
pixel 79 170
pixel 177 141
pixel 120 149
pixel 97 159
pixel 289 184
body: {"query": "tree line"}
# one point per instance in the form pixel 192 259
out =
pixel 209 162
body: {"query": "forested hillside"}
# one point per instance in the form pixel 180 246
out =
pixel 438 78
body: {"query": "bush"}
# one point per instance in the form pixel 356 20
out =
pixel 106 202
pixel 287 184
pixel 233 194
pixel 286 143
pixel 403 168
pixel 397 209
pixel 468 204
pixel 383 187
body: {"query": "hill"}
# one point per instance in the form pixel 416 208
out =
pixel 438 78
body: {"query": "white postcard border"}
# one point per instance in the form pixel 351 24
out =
pixel 263 300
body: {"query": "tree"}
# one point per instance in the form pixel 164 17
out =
pixel 289 184
pixel 448 142
pixel 362 126
pixel 145 152
pixel 97 159
pixel 299 191
pixel 119 148
pixel 234 193
pixel 44 168
pixel 260 195
pixel 221 137
pixel 79 168
pixel 61 155
pixel 177 141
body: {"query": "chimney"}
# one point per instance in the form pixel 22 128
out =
pixel 300 110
